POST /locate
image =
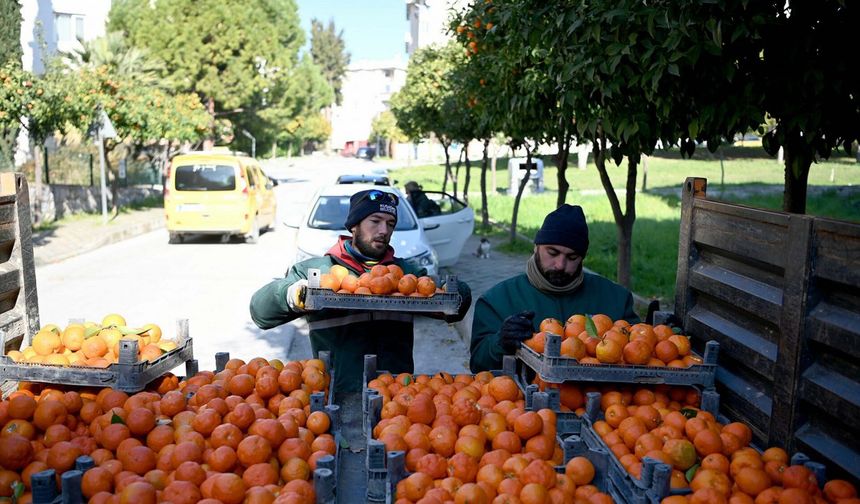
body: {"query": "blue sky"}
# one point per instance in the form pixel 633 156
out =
pixel 372 29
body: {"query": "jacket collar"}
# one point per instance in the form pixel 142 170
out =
pixel 339 254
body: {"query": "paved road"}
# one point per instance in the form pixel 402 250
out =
pixel 211 283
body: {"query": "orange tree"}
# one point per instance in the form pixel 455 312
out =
pixel 809 87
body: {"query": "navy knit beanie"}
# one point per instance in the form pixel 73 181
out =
pixel 364 203
pixel 565 226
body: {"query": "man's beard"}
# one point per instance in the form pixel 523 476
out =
pixel 365 245
pixel 557 277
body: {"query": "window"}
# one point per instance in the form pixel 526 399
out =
pixel 69 27
pixel 203 177
pixel 252 177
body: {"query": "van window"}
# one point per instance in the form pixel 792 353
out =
pixel 205 177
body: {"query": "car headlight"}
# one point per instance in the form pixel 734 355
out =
pixel 426 260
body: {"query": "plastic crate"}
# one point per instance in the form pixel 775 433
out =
pixel 383 473
pixel 555 368
pixel 447 303
pixel 128 375
pixel 567 422
pixel 654 483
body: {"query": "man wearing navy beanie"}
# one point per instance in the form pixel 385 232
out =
pixel 554 285
pixel 350 335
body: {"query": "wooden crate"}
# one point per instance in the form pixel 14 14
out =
pixel 19 306
pixel 780 292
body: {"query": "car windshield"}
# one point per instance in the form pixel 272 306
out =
pixel 330 214
pixel 205 177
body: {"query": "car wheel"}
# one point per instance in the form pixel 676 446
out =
pixel 175 238
pixel 253 236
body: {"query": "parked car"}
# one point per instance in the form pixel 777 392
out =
pixel 368 178
pixel 218 193
pixel 420 241
pixel 365 152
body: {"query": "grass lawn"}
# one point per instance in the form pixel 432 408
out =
pixel 750 178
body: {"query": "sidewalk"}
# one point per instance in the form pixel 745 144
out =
pixel 77 236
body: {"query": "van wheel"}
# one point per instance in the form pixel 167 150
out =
pixel 254 235
pixel 175 238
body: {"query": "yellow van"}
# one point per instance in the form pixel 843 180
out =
pixel 218 193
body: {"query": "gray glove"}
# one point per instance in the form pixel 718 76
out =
pixel 516 329
pixel 296 296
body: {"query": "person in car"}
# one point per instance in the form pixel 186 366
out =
pixel 423 206
pixel 554 285
pixel 349 335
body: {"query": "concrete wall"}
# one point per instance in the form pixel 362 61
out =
pixel 59 200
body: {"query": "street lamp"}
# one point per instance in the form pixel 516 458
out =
pixel 253 142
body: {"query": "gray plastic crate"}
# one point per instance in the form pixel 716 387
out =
pixel 555 368
pixel 566 422
pixel 128 375
pixel 447 303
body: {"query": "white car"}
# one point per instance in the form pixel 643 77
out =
pixel 430 243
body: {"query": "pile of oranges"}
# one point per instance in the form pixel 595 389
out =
pixel 246 434
pixel 380 280
pixel 470 440
pixel 616 342
pixel 717 458
pixel 91 344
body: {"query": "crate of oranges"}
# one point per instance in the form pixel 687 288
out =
pixel 109 354
pixel 383 288
pixel 596 348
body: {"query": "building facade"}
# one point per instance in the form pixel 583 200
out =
pixel 367 89
pixel 428 22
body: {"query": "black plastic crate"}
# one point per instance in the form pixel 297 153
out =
pixel 555 368
pixel 128 375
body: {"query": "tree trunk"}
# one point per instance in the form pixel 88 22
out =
pixel 456 173
pixel 523 183
pixel 623 221
pixel 644 173
pixel 485 213
pixel 582 156
pixel 796 176
pixel 447 166
pixel 37 181
pixel 493 166
pixel 114 183
pixel 468 176
pixel 209 142
pixel 561 163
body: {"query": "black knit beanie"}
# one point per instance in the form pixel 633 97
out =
pixel 565 226
pixel 361 205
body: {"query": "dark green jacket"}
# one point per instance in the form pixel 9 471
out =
pixel 348 334
pixel 514 295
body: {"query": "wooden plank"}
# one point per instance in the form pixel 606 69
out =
pixel 798 254
pixel 756 297
pixel 693 188
pixel 10 278
pixel 837 251
pixel 762 241
pixel 7 213
pixel 835 327
pixel 833 392
pixel 736 342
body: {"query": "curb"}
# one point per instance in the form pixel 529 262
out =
pixel 114 237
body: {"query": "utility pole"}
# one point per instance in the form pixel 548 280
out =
pixel 253 142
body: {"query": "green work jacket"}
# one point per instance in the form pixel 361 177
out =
pixel 514 295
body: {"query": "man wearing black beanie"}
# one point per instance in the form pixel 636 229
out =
pixel 350 335
pixel 553 286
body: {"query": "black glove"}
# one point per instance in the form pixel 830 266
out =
pixel 516 329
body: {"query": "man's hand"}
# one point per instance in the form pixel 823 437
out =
pixel 516 329
pixel 296 296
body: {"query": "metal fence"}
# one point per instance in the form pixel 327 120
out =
pixel 79 165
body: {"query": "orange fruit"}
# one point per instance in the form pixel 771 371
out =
pixel 426 286
pixel 73 337
pixel 602 323
pixel 551 325
pixel 94 346
pixel 329 281
pixel 17 452
pixel 381 285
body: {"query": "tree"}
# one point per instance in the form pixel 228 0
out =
pixel 10 54
pixel 809 86
pixel 384 126
pixel 422 104
pixel 10 32
pixel 329 52
pixel 228 52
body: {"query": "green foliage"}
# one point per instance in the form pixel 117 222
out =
pixel 229 51
pixel 10 32
pixel 384 125
pixel 329 52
